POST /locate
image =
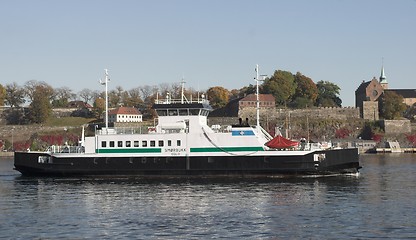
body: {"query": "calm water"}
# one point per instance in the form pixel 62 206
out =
pixel 380 203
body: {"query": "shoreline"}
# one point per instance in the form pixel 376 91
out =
pixel 6 154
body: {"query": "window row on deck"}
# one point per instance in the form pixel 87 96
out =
pixel 182 112
pixel 137 144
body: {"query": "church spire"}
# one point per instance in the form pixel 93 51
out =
pixel 383 79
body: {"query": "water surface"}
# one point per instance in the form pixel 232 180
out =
pixel 379 203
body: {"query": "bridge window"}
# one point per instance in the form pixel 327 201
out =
pixel 169 143
pixel 144 143
pixel 173 112
pixel 152 143
pixel 128 144
pixel 204 112
pixel 183 112
pixel 178 143
pixel 111 143
pixel 193 112
pixel 120 144
pixel 162 112
pixel 103 144
pixel 160 143
pixel 136 143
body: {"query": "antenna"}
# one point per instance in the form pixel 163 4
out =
pixel 183 98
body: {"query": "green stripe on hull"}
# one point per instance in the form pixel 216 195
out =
pixel 129 150
pixel 227 149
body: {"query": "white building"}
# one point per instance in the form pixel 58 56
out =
pixel 125 114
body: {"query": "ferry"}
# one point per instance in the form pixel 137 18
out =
pixel 183 144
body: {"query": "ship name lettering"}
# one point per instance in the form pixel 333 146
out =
pixel 175 150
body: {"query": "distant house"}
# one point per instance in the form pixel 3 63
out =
pixel 78 104
pixel 265 101
pixel 125 114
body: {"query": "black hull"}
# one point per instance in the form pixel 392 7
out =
pixel 335 162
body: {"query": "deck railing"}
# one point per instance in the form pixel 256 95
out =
pixel 66 149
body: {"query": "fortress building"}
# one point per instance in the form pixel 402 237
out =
pixel 368 93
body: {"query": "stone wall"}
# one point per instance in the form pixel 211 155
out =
pixel 370 110
pixel 223 121
pixel 396 126
pixel 312 113
pixel 63 112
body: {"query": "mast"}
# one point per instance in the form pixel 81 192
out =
pixel 182 87
pixel 257 100
pixel 257 79
pixel 105 82
pixel 183 98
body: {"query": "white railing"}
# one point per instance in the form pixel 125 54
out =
pixel 122 130
pixel 182 101
pixel 65 149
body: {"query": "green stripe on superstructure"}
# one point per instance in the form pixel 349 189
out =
pixel 227 149
pixel 129 150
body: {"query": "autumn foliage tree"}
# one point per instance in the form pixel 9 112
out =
pixel 218 96
pixel 99 106
pixel 306 92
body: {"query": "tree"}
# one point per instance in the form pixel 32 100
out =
pixel 328 94
pixel 62 96
pixel 15 95
pixel 86 95
pixel 301 102
pixel 391 105
pixel 218 96
pixel 99 106
pixel 30 88
pixel 250 89
pixel 133 98
pixel 281 85
pixel 2 95
pixel 306 91
pixel 411 112
pixel 40 107
pixel 234 94
pixel 146 91
pixel 115 97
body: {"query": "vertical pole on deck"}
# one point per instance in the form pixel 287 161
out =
pixel 257 100
pixel 105 82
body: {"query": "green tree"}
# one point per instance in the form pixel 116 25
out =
pixel 250 89
pixel 281 85
pixel 306 92
pixel 40 107
pixel 218 96
pixel 391 105
pixel 328 94
pixel 15 95
pixel 2 95
pixel 411 112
